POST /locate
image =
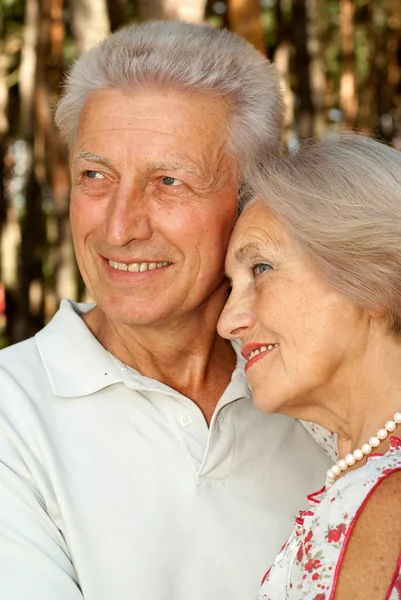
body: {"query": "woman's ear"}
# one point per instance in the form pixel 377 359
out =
pixel 377 312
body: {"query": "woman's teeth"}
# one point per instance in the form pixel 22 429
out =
pixel 137 267
pixel 261 349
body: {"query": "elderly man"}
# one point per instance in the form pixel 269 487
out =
pixel 134 463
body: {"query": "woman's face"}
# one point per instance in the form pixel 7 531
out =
pixel 299 336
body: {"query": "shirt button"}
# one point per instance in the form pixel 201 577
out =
pixel 186 420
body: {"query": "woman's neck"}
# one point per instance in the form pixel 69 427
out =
pixel 365 394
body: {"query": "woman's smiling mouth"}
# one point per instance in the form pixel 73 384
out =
pixel 252 352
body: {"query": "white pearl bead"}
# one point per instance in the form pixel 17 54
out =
pixel 350 460
pixel 358 454
pixel 366 448
pixel 390 425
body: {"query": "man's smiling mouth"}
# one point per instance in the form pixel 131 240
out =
pixel 137 267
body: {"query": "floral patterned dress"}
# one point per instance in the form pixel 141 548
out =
pixel 308 564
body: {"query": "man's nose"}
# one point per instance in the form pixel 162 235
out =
pixel 128 218
pixel 236 318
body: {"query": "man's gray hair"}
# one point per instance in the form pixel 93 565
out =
pixel 340 202
pixel 185 56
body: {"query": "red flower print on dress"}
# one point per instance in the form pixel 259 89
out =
pixel 307 567
pixel 395 442
pixel 312 564
pixel 309 536
pixel 334 534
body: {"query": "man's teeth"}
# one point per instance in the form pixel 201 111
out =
pixel 137 267
pixel 261 349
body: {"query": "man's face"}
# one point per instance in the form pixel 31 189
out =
pixel 153 202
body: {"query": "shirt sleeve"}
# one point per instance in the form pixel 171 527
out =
pixel 34 561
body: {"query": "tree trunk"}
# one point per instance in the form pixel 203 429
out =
pixel 47 182
pixel 190 10
pixel 305 110
pixel 89 22
pixel 244 18
pixel 316 67
pixel 116 11
pixel 393 62
pixel 348 93
pixel 14 257
pixel 281 59
pixel 3 131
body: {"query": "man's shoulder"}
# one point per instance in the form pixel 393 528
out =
pixel 19 355
pixel 59 355
pixel 15 357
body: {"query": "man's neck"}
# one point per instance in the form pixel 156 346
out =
pixel 187 354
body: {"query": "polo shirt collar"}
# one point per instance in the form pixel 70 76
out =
pixel 75 362
pixel 78 365
pixel 238 388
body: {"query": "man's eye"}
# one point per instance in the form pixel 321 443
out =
pixel 93 174
pixel 258 269
pixel 171 181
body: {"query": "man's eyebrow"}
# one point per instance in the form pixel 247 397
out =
pixel 97 158
pixel 173 166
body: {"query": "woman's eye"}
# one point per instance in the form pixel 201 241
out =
pixel 171 181
pixel 93 174
pixel 258 269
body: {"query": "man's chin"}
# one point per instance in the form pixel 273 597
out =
pixel 120 314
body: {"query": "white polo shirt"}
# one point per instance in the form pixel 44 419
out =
pixel 112 487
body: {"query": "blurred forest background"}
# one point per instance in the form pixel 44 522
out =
pixel 340 64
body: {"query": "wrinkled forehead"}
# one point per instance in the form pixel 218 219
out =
pixel 256 229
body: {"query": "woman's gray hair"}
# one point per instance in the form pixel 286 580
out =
pixel 340 201
pixel 184 56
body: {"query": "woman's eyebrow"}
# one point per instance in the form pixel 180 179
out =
pixel 245 250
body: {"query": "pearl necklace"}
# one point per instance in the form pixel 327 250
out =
pixel 360 453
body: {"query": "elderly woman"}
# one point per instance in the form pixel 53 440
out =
pixel 315 265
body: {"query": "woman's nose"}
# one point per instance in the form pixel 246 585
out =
pixel 236 318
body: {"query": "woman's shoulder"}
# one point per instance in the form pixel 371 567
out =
pixel 362 506
pixel 369 564
pixel 343 502
pixel 358 483
pixel 366 500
